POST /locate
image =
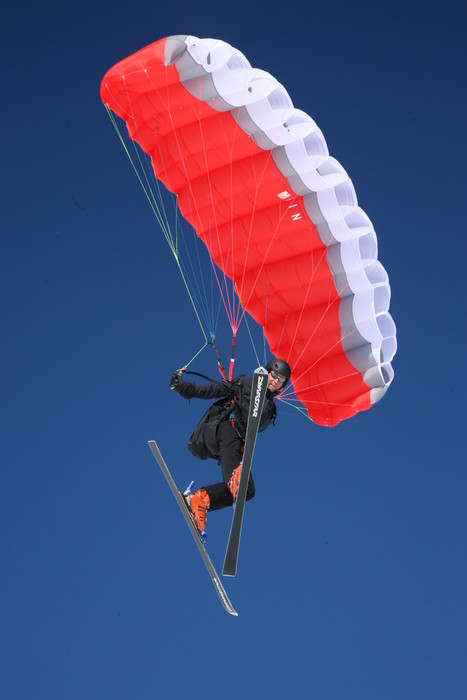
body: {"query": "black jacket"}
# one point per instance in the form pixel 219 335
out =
pixel 240 390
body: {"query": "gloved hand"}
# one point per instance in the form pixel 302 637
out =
pixel 176 380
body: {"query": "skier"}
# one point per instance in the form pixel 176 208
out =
pixel 221 433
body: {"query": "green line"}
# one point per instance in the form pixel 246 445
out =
pixel 161 220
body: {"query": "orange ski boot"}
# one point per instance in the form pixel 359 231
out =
pixel 234 481
pixel 198 503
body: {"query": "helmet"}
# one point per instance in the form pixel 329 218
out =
pixel 280 366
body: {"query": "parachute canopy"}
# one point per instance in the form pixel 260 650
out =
pixel 279 216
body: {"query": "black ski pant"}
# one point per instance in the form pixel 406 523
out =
pixel 230 456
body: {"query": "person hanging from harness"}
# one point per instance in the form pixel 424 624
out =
pixel 221 433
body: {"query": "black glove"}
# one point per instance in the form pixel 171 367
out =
pixel 176 380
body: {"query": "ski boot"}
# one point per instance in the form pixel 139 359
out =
pixel 234 481
pixel 198 503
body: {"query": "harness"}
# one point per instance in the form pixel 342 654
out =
pixel 203 442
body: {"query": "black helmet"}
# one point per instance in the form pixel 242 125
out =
pixel 280 366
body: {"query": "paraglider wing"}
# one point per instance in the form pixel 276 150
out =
pixel 278 215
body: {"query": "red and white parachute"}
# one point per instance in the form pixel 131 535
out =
pixel 279 216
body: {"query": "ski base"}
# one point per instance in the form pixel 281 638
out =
pixel 223 597
pixel 258 396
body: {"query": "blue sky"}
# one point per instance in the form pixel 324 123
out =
pixel 352 574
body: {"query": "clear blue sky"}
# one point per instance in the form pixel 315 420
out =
pixel 352 574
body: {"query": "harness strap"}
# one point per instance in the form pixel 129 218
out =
pixel 232 358
pixel 219 361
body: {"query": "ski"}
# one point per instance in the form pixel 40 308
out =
pixel 194 530
pixel 258 396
